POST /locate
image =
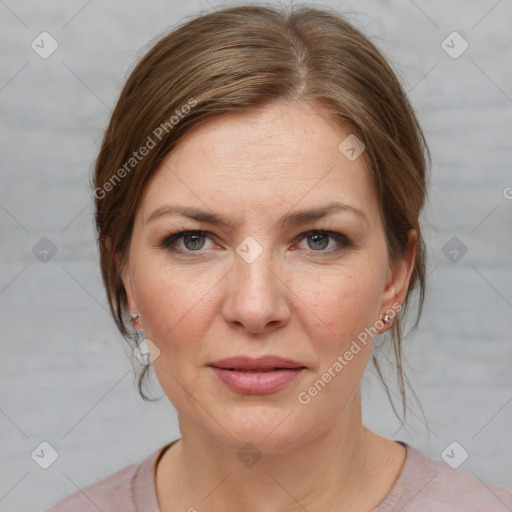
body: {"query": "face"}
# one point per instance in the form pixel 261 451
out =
pixel 264 281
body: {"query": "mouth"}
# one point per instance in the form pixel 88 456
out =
pixel 257 370
pixel 270 363
pixel 256 376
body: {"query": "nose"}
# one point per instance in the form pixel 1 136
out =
pixel 256 296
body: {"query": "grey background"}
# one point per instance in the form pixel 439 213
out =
pixel 66 377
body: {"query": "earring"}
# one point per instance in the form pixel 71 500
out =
pixel 134 318
pixel 386 319
pixel 140 351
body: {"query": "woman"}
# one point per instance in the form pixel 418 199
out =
pixel 258 194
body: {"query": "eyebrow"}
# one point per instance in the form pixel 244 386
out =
pixel 290 219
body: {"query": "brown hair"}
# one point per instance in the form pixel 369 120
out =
pixel 240 58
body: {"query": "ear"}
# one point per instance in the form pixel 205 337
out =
pixel 127 283
pixel 399 277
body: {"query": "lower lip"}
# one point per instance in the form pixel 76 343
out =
pixel 257 383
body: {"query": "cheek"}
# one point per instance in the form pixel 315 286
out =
pixel 344 303
pixel 345 306
pixel 173 305
pixel 345 309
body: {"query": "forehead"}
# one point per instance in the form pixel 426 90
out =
pixel 262 161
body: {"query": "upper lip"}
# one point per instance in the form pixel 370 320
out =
pixel 268 362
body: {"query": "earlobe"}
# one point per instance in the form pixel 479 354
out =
pixel 385 321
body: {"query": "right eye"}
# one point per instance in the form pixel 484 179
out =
pixel 192 241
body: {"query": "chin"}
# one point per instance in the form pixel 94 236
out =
pixel 270 429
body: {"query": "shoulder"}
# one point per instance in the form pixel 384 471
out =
pixel 117 492
pixel 429 484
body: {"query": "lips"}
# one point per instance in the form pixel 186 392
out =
pixel 260 364
pixel 256 376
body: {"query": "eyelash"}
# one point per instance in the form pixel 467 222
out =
pixel 171 239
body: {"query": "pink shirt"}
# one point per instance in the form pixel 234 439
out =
pixel 423 485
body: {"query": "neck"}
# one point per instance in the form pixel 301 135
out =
pixel 341 467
